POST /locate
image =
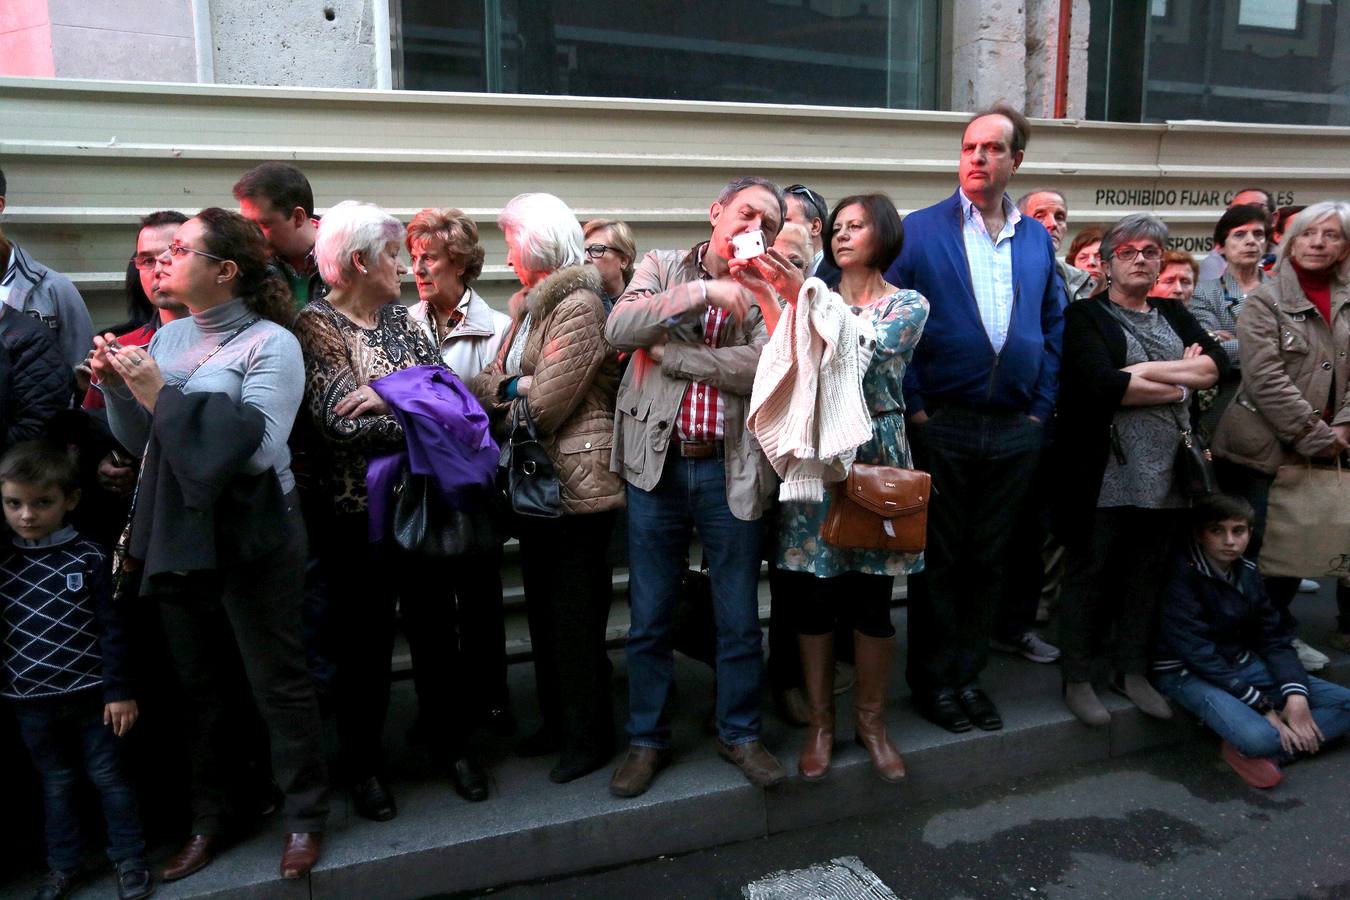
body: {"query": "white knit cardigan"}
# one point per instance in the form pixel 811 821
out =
pixel 807 408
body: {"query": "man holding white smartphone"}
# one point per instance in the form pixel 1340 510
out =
pixel 681 443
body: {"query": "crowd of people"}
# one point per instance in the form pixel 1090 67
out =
pixel 274 460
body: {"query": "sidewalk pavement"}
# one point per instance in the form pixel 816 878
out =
pixel 530 828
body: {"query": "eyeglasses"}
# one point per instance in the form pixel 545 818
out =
pixel 144 261
pixel 180 250
pixel 1127 254
pixel 595 251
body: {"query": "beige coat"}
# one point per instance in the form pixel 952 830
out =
pixel 575 375
pixel 664 300
pixel 1292 362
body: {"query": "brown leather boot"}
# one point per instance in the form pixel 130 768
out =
pixel 873 663
pixel 818 682
pixel 196 854
pixel 300 853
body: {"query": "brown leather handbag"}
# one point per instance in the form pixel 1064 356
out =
pixel 880 508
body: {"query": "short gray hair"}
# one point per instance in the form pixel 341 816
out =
pixel 546 231
pixel 1133 227
pixel 352 227
pixel 1311 216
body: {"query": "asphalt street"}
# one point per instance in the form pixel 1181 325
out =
pixel 1167 824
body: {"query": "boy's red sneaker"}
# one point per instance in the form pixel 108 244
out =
pixel 1258 771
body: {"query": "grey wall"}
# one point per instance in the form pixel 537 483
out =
pixel 134 40
pixel 292 42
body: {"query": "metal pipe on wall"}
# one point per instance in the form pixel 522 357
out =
pixel 384 53
pixel 1062 59
pixel 201 40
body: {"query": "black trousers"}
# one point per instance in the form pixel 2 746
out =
pixel 1112 587
pixel 568 589
pixel 982 464
pixel 248 615
pixel 853 600
pixel 1025 575
pixel 452 616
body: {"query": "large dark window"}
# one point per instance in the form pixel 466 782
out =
pixel 1281 61
pixel 836 52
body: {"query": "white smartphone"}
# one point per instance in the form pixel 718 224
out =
pixel 749 244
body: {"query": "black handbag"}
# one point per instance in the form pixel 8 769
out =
pixel 426 524
pixel 1195 466
pixel 532 485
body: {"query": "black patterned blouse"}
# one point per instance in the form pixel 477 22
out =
pixel 341 356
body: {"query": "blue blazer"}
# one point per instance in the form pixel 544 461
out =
pixel 954 362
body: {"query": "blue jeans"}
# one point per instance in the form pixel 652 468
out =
pixel 1245 728
pixel 691 494
pixel 66 737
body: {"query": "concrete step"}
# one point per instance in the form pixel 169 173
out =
pixel 531 829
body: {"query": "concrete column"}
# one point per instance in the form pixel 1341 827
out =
pixel 316 43
pixel 136 40
pixel 988 53
pixel 1042 57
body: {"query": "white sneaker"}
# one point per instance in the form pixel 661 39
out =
pixel 1031 646
pixel 1308 586
pixel 1311 658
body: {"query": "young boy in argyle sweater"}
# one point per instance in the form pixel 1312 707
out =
pixel 63 666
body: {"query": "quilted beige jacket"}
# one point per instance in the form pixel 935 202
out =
pixel 576 376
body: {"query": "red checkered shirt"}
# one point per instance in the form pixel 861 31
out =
pixel 702 412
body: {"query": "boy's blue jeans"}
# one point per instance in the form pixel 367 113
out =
pixel 1245 728
pixel 66 737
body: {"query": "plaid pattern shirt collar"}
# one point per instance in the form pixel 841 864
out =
pixel 991 269
pixel 702 412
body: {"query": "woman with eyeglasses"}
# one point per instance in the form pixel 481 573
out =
pixel 232 357
pixel 610 248
pixel 1131 363
pixel 1294 402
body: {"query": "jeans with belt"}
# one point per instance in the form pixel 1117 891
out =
pixel 692 495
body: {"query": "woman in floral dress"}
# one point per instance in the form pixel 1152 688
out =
pixel 824 582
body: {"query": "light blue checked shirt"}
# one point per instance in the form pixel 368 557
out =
pixel 990 263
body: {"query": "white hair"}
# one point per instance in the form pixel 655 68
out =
pixel 1311 216
pixel 352 227
pixel 546 232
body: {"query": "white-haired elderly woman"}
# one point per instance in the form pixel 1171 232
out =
pixel 353 336
pixel 557 364
pixel 1131 363
pixel 1294 402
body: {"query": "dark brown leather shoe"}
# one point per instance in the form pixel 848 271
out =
pixel 300 853
pixel 634 775
pixel 758 765
pixel 196 855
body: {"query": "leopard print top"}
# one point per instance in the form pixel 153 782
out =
pixel 341 356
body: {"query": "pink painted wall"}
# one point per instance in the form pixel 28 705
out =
pixel 26 38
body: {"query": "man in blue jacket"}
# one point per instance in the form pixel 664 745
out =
pixel 980 388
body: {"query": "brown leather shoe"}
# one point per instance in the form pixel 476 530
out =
pixel 300 853
pixel 196 855
pixel 758 765
pixel 634 775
